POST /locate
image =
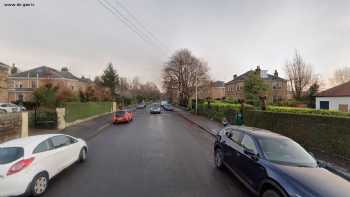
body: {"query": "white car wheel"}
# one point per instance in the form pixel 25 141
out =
pixel 40 184
pixel 82 155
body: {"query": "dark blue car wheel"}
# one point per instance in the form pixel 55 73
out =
pixel 271 193
pixel 219 158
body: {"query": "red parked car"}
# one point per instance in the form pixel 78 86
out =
pixel 122 116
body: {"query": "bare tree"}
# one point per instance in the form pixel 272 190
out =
pixel 299 75
pixel 181 72
pixel 340 76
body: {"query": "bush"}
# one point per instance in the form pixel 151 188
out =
pixel 323 133
pixel 76 110
pixel 219 110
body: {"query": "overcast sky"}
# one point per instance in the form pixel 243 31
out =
pixel 233 36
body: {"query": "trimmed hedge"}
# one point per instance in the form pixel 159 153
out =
pixel 77 110
pixel 325 133
pixel 295 110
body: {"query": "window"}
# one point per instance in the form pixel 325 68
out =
pixel 20 97
pixel 285 151
pixel 249 143
pixel 34 84
pixel 274 99
pixel 10 154
pixel 61 140
pixel 236 135
pixel 43 146
pixel 324 104
pixel 343 107
pixel 276 85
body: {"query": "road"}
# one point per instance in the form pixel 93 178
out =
pixel 155 155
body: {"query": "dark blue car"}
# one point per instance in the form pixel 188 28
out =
pixel 271 165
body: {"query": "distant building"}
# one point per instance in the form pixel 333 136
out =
pixel 23 84
pixel 278 86
pixel 4 70
pixel 217 90
pixel 336 98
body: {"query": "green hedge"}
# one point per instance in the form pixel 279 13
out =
pixel 77 110
pixel 325 133
pixel 295 110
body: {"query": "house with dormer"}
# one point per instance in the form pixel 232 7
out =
pixel 277 91
pixel 21 86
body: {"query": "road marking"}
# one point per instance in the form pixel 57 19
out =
pixel 98 131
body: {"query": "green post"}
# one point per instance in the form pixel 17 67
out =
pixel 239 119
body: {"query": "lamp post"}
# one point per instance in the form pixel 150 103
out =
pixel 196 93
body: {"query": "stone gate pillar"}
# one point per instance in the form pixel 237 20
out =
pixel 24 125
pixel 61 121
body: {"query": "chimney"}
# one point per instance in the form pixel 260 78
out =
pixel 64 69
pixel 275 74
pixel 258 71
pixel 234 76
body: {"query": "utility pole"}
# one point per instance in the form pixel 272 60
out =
pixel 196 93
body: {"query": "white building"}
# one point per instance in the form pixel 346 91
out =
pixel 336 98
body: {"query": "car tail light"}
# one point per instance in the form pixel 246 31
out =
pixel 17 167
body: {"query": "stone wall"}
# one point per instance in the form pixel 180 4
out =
pixel 10 126
pixel 3 85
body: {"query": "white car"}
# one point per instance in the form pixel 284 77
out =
pixel 27 164
pixel 9 107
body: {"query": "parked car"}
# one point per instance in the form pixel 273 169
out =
pixel 155 108
pixel 271 165
pixel 141 106
pixel 131 114
pixel 168 107
pixel 122 116
pixel 162 103
pixel 9 107
pixel 27 164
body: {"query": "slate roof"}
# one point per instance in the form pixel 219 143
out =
pixel 219 84
pixel 4 66
pixel 45 72
pixel 245 75
pixel 86 80
pixel 342 90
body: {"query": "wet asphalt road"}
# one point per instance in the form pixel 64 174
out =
pixel 155 155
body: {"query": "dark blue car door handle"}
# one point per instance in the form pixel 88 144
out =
pixel 238 154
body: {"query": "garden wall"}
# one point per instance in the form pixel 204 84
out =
pixel 10 126
pixel 324 133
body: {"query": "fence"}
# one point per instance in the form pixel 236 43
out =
pixel 43 119
pixel 10 126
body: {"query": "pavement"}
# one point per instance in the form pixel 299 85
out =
pixel 85 130
pixel 155 155
pixel 212 127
